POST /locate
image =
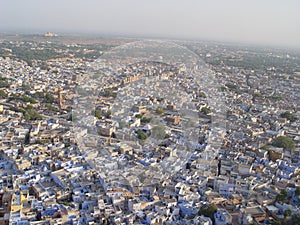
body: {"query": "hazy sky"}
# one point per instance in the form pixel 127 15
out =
pixel 254 21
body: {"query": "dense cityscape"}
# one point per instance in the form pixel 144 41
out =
pixel 137 146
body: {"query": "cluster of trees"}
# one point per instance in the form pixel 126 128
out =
pixel 26 53
pixel 283 142
pixel 48 98
pixel 98 49
pixel 157 132
pixel 272 223
pixel 39 95
pixel 272 97
pixel 98 114
pixel 45 97
pixel 29 113
pixel 282 196
pixel 257 61
pixel 3 82
pixel 110 92
pixel 24 98
pixel 223 88
pixel 47 51
pixel 3 94
pixel 290 116
pixel 208 211
pixel 231 87
pixel 287 213
pixel 50 107
pixel 146 119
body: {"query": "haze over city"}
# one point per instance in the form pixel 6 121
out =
pixel 129 112
pixel 259 22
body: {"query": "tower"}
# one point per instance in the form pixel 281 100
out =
pixel 60 98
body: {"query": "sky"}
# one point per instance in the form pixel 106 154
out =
pixel 272 22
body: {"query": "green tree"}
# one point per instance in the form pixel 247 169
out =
pixel 146 119
pixel 284 142
pixel 282 197
pixel 202 95
pixel 4 84
pixel 275 223
pixel 138 116
pixel 208 211
pixel 26 98
pixel 3 94
pixel 141 135
pixel 97 113
pixel 205 110
pixel 223 88
pixel 30 114
pixel 290 116
pixel 50 107
pixel 266 147
pixel 109 92
pixel 159 110
pixel 39 94
pixel 287 213
pixel 273 155
pixel 48 98
pixel 13 96
pixel 232 87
